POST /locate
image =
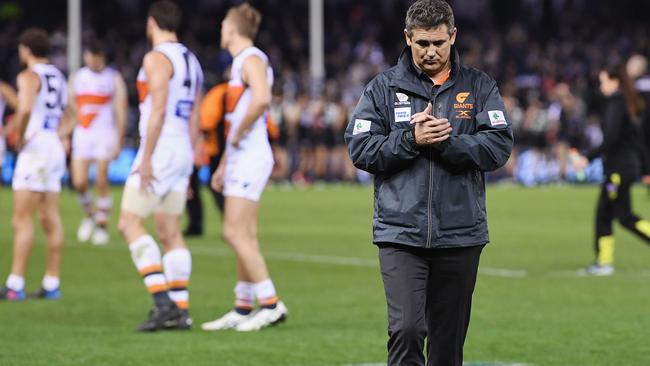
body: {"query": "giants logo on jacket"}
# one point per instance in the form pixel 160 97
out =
pixel 463 109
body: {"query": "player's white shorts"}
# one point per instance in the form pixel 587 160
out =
pixel 246 177
pixel 40 170
pixel 93 144
pixel 172 167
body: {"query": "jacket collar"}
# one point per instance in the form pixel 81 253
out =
pixel 409 78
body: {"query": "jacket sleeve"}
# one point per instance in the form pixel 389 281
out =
pixel 490 147
pixel 612 125
pixel 372 145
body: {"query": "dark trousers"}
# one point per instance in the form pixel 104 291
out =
pixel 218 196
pixel 429 295
pixel 194 202
pixel 615 203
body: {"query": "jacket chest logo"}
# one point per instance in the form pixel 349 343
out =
pixel 401 99
pixel 463 108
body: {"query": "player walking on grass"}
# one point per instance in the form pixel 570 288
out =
pixel 169 88
pixel 98 101
pixel 40 166
pixel 244 171
pixel 622 153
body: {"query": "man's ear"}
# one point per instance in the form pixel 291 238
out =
pixel 407 38
pixel 453 35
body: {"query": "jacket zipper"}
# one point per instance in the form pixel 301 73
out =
pixel 430 200
pixel 437 114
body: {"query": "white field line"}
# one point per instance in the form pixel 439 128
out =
pixel 464 364
pixel 577 273
pixel 322 259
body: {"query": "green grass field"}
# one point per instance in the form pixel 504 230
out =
pixel 529 305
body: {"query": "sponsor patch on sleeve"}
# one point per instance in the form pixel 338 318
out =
pixel 361 126
pixel 497 118
pixel 403 114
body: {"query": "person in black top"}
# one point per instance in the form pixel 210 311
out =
pixel 637 69
pixel 622 154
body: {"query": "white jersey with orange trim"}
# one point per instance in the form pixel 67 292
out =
pixel 93 93
pixel 172 160
pixel 47 111
pixel 249 166
pixel 238 100
pixel 96 135
pixel 184 87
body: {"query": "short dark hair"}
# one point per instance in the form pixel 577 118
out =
pixel 247 19
pixel 96 47
pixel 429 14
pixel 166 14
pixel 37 40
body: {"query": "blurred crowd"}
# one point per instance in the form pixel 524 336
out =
pixel 545 55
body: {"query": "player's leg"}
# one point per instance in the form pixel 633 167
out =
pixel 604 240
pixel 136 206
pixel 53 228
pixel 240 231
pixel 623 212
pixel 177 260
pixel 25 204
pixel 250 264
pixel 104 204
pixel 80 169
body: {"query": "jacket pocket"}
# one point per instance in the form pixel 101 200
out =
pixel 398 202
pixel 457 201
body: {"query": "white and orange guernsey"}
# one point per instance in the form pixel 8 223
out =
pixel 172 163
pixel 96 134
pixel 249 166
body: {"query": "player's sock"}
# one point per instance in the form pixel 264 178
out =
pixel 50 283
pixel 177 264
pixel 15 282
pixel 102 214
pixel 86 201
pixel 265 294
pixel 605 250
pixel 244 297
pixel 146 256
pixel 643 227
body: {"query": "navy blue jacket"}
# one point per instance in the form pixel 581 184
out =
pixel 431 197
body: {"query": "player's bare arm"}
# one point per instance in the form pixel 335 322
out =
pixel 28 85
pixel 195 120
pixel 9 95
pixel 72 101
pixel 254 74
pixel 121 104
pixel 158 70
pixel 69 119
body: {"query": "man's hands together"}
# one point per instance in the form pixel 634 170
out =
pixel 429 130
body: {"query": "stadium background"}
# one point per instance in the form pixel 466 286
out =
pixel 530 307
pixel 545 55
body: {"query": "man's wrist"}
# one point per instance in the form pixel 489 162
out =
pixel 410 136
pixel 442 145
